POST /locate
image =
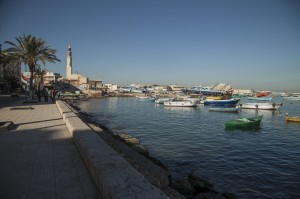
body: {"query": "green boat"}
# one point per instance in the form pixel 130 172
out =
pixel 243 123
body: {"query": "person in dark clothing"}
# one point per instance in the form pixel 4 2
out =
pixel 52 95
pixel 45 93
pixel 38 94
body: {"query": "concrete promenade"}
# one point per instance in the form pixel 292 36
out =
pixel 49 152
pixel 38 158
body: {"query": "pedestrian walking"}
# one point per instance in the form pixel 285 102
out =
pixel 38 93
pixel 52 95
pixel 45 93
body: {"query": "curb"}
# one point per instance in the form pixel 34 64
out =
pixel 114 177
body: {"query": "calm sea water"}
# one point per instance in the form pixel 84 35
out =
pixel 263 163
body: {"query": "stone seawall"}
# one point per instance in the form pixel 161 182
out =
pixel 114 177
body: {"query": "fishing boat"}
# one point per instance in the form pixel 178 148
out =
pixel 180 104
pixel 162 100
pixel 292 119
pixel 244 123
pixel 292 98
pixel 187 98
pixel 223 109
pixel 263 93
pixel 260 98
pixel 228 102
pixel 261 106
pixel 145 98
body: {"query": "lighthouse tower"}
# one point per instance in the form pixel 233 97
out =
pixel 69 63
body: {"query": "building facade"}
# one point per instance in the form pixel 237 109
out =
pixel 50 77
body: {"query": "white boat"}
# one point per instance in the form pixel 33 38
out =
pixel 187 98
pixel 145 98
pixel 130 89
pixel 180 104
pixel 162 100
pixel 261 106
pixel 292 98
pixel 260 98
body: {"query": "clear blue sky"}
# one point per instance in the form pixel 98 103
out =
pixel 249 44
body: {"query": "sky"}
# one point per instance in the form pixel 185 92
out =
pixel 250 44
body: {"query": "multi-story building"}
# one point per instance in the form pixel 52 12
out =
pixel 50 77
pixel 111 87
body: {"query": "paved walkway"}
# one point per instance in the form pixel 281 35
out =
pixel 38 158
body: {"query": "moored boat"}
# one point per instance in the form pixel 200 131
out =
pixel 260 98
pixel 263 93
pixel 244 123
pixel 228 102
pixel 227 109
pixel 162 100
pixel 180 104
pixel 261 106
pixel 145 98
pixel 292 119
pixel 292 98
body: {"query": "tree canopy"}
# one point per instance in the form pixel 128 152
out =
pixel 31 51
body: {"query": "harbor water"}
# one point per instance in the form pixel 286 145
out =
pixel 258 163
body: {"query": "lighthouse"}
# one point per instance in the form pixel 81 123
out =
pixel 69 63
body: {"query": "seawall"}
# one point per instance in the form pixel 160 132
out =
pixel 114 177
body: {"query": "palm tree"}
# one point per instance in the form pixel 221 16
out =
pixel 31 51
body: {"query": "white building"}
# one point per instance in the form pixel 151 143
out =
pixel 50 77
pixel 111 87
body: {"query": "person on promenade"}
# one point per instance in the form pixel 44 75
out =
pixel 38 93
pixel 45 93
pixel 52 95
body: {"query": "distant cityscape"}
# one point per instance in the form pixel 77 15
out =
pixel 12 77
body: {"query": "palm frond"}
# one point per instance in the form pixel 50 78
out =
pixel 32 51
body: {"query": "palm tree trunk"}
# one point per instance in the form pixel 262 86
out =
pixel 31 89
pixel 31 80
pixel 31 68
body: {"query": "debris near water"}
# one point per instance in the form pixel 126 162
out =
pixel 132 141
pixel 196 187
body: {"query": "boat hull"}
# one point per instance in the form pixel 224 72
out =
pixel 180 104
pixel 260 98
pixel 230 102
pixel 260 106
pixel 145 98
pixel 296 98
pixel 162 100
pixel 292 119
pixel 244 123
